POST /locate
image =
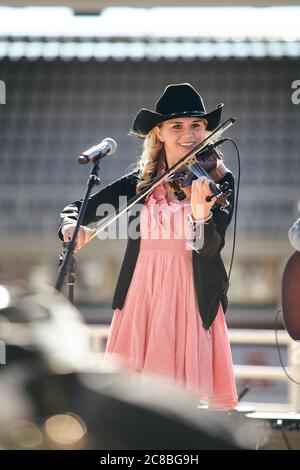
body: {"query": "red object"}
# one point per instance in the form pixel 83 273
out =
pixel 290 295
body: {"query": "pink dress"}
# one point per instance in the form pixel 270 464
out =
pixel 159 330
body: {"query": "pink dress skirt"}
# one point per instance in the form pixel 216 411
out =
pixel 159 329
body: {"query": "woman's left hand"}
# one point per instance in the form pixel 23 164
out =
pixel 200 190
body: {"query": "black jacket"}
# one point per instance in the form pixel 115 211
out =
pixel 210 276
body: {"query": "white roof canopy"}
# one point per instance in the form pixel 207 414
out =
pixel 221 23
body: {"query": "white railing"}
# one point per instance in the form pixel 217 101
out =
pixel 267 337
pixel 98 336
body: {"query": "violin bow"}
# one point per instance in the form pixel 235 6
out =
pixel 211 139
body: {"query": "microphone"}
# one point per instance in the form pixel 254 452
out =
pixel 210 148
pixel 219 142
pixel 108 146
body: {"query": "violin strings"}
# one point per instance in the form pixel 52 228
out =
pixel 201 170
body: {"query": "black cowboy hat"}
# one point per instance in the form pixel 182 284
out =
pixel 178 100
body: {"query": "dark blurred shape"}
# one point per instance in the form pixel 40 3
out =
pixel 54 395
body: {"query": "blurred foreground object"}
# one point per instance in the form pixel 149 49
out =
pixel 54 396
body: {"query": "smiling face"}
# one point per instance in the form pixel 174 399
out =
pixel 180 135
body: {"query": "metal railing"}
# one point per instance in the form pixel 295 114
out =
pixel 98 336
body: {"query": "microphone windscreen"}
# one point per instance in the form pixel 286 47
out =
pixel 112 143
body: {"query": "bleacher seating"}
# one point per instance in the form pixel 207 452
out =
pixel 57 109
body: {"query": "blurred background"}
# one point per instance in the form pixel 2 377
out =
pixel 78 72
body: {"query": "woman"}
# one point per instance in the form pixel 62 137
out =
pixel 170 299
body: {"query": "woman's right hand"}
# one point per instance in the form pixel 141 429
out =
pixel 83 236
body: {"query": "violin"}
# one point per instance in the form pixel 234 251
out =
pixel 209 163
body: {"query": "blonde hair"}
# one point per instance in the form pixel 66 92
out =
pixel 152 157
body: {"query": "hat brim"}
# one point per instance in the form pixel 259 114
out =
pixel 146 119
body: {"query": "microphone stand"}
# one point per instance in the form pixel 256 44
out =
pixel 67 262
